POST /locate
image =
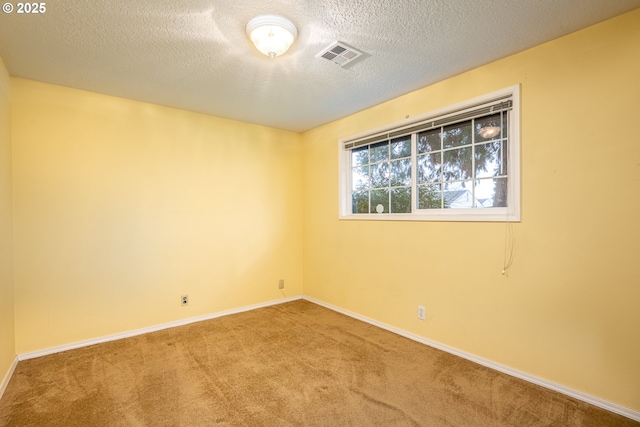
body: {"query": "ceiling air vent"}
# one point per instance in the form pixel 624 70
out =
pixel 339 53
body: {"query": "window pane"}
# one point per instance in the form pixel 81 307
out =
pixel 491 159
pixel 505 125
pixel 457 164
pixel 360 202
pixel 360 178
pixel 488 128
pixel 401 200
pixel 491 193
pixel 380 175
pixel 401 147
pixel 379 152
pixel 458 195
pixel 463 169
pixel 400 172
pixel 379 197
pixel 360 156
pixel 429 141
pixel 457 135
pixel 429 168
pixel 430 196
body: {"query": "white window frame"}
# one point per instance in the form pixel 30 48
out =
pixel 510 213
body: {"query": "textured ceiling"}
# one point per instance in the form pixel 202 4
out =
pixel 195 55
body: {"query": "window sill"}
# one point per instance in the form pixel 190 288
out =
pixel 451 215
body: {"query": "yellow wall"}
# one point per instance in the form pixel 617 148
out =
pixel 121 207
pixel 7 337
pixel 568 309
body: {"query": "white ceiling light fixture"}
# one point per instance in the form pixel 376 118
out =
pixel 272 34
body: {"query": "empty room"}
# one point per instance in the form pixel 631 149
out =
pixel 328 213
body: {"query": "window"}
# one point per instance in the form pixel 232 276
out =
pixel 460 163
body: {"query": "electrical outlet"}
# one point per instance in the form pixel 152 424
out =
pixel 420 312
pixel 184 300
pixel 281 284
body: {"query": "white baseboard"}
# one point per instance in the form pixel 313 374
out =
pixel 155 328
pixel 7 377
pixel 596 401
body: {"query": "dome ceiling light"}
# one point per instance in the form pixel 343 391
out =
pixel 271 34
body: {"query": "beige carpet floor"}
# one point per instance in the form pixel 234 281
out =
pixel 294 364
